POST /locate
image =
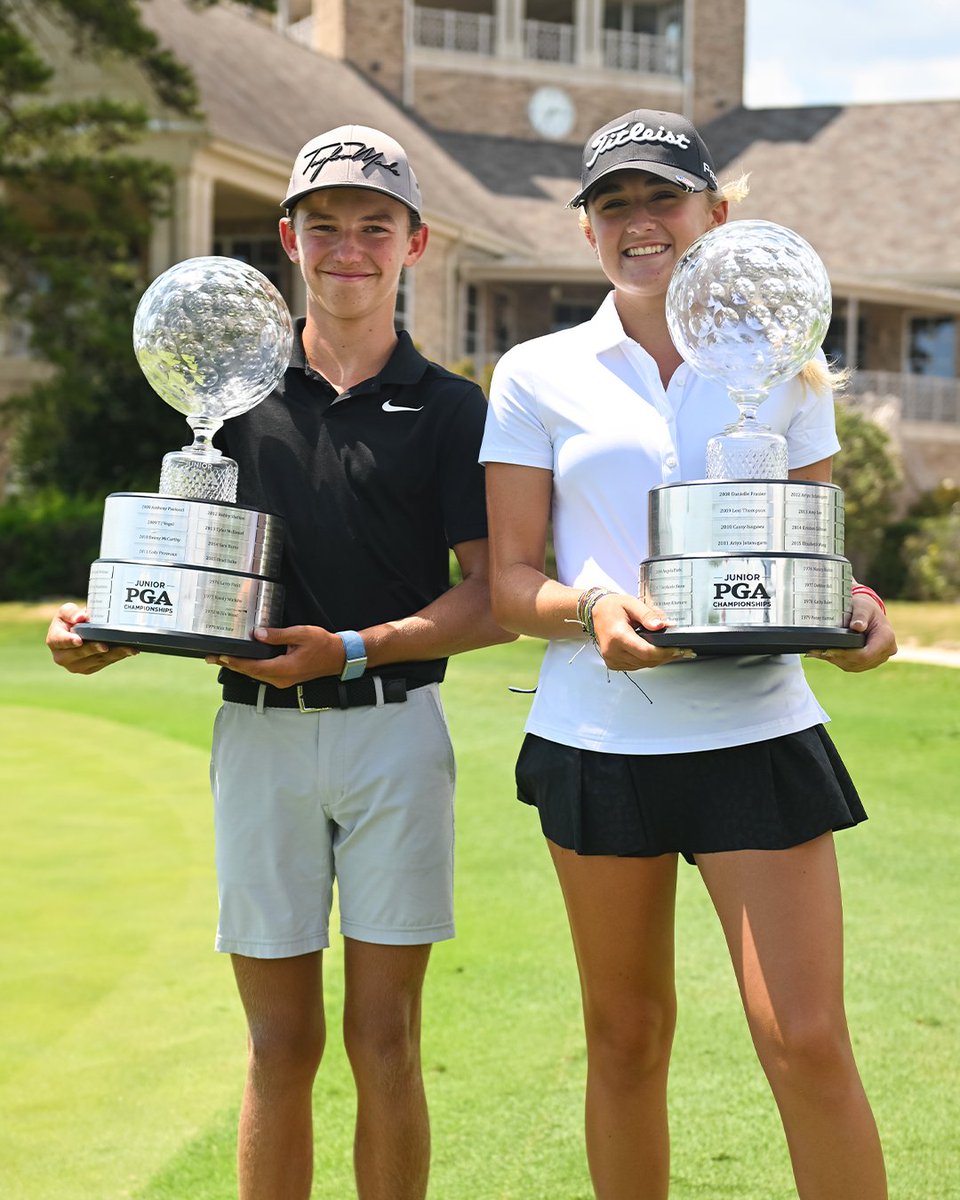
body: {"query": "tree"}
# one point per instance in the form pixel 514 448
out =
pixel 870 479
pixel 76 208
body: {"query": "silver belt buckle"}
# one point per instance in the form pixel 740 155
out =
pixel 303 707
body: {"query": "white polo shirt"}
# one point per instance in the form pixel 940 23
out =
pixel 588 404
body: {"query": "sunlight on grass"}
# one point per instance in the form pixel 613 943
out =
pixel 122 1048
pixel 126 1030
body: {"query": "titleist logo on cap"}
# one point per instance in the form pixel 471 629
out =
pixel 317 158
pixel 619 135
pixel 660 143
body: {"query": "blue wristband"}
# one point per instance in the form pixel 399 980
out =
pixel 356 654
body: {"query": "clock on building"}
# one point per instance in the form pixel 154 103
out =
pixel 551 112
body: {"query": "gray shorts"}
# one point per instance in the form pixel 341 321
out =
pixel 363 796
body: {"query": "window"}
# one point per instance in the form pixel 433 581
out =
pixel 565 316
pixel 403 313
pixel 471 320
pixel 503 324
pixel 264 253
pixel 835 343
pixel 630 17
pixel 932 348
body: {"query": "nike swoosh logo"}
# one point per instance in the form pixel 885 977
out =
pixel 389 406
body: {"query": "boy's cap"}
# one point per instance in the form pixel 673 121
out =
pixel 663 143
pixel 354 156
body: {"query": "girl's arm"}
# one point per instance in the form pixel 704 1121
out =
pixel 526 600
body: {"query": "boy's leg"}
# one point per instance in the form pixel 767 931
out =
pixel 283 1002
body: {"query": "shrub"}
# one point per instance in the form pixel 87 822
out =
pixel 468 368
pixel 47 544
pixel 870 478
pixel 932 557
pixel 919 557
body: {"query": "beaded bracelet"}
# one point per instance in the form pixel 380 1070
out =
pixel 585 606
pixel 586 603
pixel 861 589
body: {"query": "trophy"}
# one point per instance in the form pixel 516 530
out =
pixel 189 571
pixel 748 561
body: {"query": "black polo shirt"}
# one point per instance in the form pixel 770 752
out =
pixel 374 486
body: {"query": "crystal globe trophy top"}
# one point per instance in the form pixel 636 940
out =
pixel 189 571
pixel 748 306
pixel 748 561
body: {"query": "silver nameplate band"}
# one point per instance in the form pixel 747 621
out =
pixel 185 576
pixel 132 596
pixel 166 529
pixel 724 517
pixel 717 591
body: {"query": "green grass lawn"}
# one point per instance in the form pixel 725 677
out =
pixel 122 1042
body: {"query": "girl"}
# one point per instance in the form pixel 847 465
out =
pixel 724 760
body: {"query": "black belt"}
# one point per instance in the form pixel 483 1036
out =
pixel 316 695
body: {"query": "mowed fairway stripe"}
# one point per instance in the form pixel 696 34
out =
pixel 120 1038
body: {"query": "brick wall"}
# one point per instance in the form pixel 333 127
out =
pixel 475 103
pixel 370 35
pixel 716 55
pixel 367 33
pixel 432 299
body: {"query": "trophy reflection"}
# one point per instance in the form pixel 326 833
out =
pixel 748 561
pixel 187 570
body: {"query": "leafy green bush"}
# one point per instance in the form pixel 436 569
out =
pixel 919 557
pixel 888 569
pixel 47 545
pixel 870 478
pixel 932 557
pixel 468 368
pixel 940 501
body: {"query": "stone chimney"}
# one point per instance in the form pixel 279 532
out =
pixel 368 34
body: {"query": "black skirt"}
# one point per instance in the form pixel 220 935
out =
pixel 768 795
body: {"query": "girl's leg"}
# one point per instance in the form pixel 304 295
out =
pixel 621 913
pixel 782 918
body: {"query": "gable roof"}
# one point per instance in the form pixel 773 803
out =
pixel 871 187
pixel 264 92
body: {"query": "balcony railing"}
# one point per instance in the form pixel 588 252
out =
pixel 548 41
pixel 543 41
pixel 446 29
pixel 919 397
pixel 641 52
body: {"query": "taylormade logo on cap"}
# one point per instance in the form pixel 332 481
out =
pixel 354 156
pixel 663 143
pixel 315 160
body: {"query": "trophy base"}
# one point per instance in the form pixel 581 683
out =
pixel 747 639
pixel 186 645
pixel 180 609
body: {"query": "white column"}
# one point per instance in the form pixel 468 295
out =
pixel 162 253
pixel 588 36
pixel 407 95
pixel 188 231
pixel 298 292
pixel 509 28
